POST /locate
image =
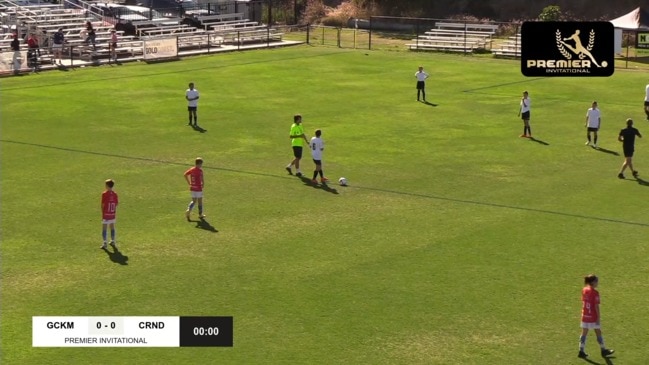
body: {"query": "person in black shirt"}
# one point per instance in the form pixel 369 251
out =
pixel 627 137
pixel 15 43
pixel 57 44
pixel 90 35
pixel 17 58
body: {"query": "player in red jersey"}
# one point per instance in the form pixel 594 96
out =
pixel 109 202
pixel 590 316
pixel 194 177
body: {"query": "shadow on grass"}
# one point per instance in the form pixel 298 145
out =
pixel 607 361
pixel 604 150
pixel 499 85
pixel 429 103
pixel 116 256
pixel 404 193
pixel 642 182
pixel 204 224
pixel 323 187
pixel 198 128
pixel 539 141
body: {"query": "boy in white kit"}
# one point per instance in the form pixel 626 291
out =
pixel 593 120
pixel 316 145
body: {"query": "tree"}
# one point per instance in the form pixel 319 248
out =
pixel 550 13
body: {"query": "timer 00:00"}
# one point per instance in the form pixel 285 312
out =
pixel 209 331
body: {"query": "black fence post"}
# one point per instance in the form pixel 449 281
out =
pixel 370 36
pixel 294 11
pixel 417 34
pixel 339 30
pixel 516 42
pixel 308 28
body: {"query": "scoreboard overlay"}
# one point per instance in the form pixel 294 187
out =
pixel 148 331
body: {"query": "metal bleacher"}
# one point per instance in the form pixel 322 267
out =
pixel 222 31
pixel 454 37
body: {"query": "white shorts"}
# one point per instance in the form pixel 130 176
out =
pixel 57 46
pixel 590 325
pixel 108 221
pixel 197 194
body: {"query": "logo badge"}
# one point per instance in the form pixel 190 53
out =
pixel 567 49
pixel 642 40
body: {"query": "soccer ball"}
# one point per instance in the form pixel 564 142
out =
pixel 342 181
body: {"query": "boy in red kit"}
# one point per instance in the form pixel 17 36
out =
pixel 109 202
pixel 194 177
pixel 590 316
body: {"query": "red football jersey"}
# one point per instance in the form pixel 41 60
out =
pixel 108 204
pixel 195 178
pixel 590 299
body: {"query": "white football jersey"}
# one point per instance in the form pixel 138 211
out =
pixel 317 146
pixel 192 94
pixel 593 118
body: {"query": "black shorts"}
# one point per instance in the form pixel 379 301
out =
pixel 525 115
pixel 297 151
pixel 590 129
pixel 628 151
pixel 317 162
pixel 192 108
pixel 646 103
pixel 421 85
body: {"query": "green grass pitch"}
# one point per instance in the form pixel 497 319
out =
pixel 457 242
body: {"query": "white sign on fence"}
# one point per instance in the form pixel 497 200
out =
pixel 160 48
pixel 10 61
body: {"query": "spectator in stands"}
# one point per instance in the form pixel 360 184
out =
pixel 15 43
pixel 44 40
pixel 32 44
pixel 90 35
pixel 57 45
pixel 33 52
pixel 113 46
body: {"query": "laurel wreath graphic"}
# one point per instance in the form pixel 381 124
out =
pixel 563 51
pixel 591 40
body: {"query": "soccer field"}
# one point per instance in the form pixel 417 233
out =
pixel 456 241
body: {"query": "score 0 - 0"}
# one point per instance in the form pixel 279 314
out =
pixel 105 326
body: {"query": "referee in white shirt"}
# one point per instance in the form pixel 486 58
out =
pixel 421 82
pixel 593 120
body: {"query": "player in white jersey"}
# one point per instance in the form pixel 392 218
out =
pixel 593 120
pixel 421 82
pixel 524 113
pixel 192 103
pixel 316 145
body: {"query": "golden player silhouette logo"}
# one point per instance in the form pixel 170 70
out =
pixel 567 49
pixel 578 48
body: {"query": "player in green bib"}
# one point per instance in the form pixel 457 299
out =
pixel 297 142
